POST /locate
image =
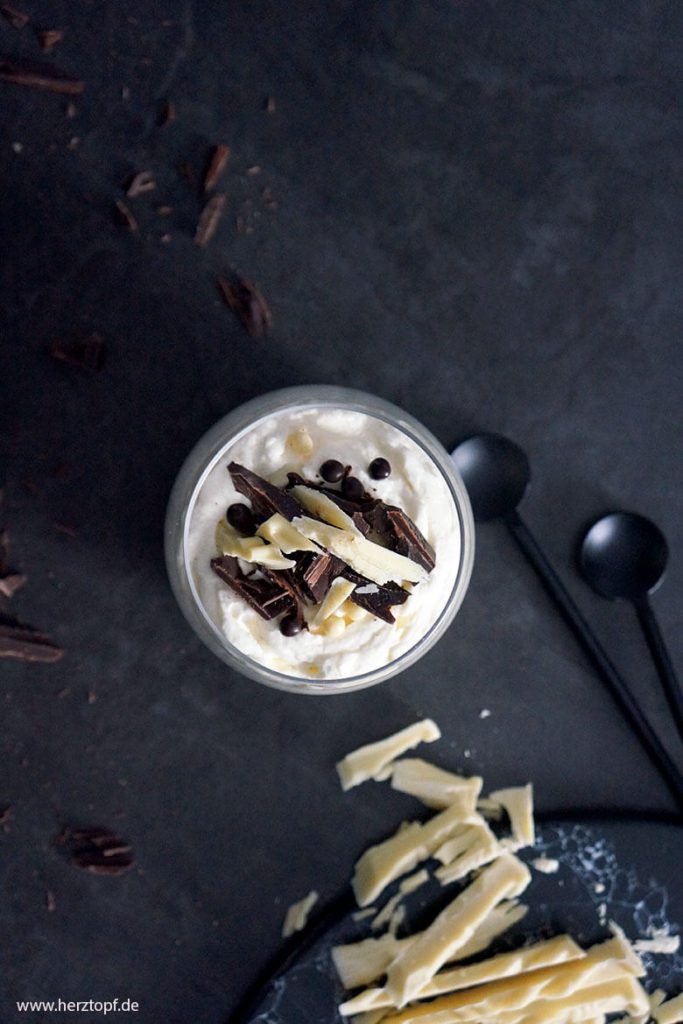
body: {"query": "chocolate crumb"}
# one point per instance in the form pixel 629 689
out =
pixel 254 170
pixel 166 238
pixel 88 354
pixel 10 584
pixel 65 528
pixel 71 111
pixel 247 302
pixel 5 814
pixel 96 850
pixel 217 164
pixel 168 113
pixel 15 17
pixel 126 216
pixel 270 105
pixel 50 902
pixel 140 183
pixel 209 219
pixel 49 38
pixel 92 696
pixel 29 74
pixel 164 211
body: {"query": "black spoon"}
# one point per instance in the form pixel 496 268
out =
pixel 624 555
pixel 496 473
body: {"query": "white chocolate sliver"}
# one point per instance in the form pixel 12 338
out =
pixel 371 560
pixel 367 761
pixel 339 590
pixel 670 1012
pixel 408 885
pixel 250 549
pixel 297 915
pixel 322 506
pixel 281 533
pixel 519 806
pixel 481 848
pixel 506 877
pixel 433 786
pixel 546 865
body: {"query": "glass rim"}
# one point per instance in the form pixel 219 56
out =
pixel 211 448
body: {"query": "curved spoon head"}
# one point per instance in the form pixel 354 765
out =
pixel 496 473
pixel 623 555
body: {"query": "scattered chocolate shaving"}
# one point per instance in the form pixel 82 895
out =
pixel 266 598
pixel 5 814
pixel 266 498
pixel 71 111
pixel 125 92
pixel 74 143
pixel 16 18
pixel 164 211
pixel 27 644
pixel 48 38
pixel 126 216
pixel 10 584
pixel 217 164
pixel 253 170
pixel 86 354
pixel 140 183
pixel 21 73
pixel 92 696
pixel 268 198
pixel 168 113
pixel 186 171
pixel 244 299
pixel 165 238
pixel 96 850
pixel 209 219
pixel 65 528
pixel 50 902
pixel 270 105
pixel 401 534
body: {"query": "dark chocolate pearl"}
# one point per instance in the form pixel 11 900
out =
pixel 379 469
pixel 332 471
pixel 352 488
pixel 241 517
pixel 290 625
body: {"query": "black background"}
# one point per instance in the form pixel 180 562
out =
pixel 479 218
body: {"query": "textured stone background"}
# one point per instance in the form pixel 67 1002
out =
pixel 478 217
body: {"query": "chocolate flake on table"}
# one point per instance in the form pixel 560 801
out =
pixel 125 215
pixel 27 644
pixel 266 598
pixel 50 902
pixel 86 354
pixel 49 37
pixel 217 164
pixel 247 302
pixel 266 499
pixel 401 534
pixel 143 181
pixel 209 219
pixel 66 528
pixel 168 113
pixel 11 583
pixel 5 814
pixel 15 17
pixel 96 850
pixel 39 77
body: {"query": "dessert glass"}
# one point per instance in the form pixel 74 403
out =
pixel 215 446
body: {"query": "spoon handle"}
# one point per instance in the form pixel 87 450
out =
pixel 663 663
pixel 596 652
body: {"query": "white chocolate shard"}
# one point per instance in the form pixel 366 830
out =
pixel 477 846
pixel 546 865
pixel 670 1012
pixel 250 549
pixel 297 915
pixel 371 560
pixel 384 863
pixel 335 597
pixel 408 885
pixel 280 532
pixel 322 506
pixel 433 786
pixel 507 877
pixel 517 802
pixel 367 761
pixel 561 949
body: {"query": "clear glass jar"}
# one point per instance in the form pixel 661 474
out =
pixel 213 446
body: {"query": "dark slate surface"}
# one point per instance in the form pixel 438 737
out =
pixel 478 217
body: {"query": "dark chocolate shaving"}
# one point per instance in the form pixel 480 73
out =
pixel 49 38
pixel 217 164
pixel 266 499
pixel 316 573
pixel 247 302
pixel 11 583
pixel 287 581
pixel 15 17
pixel 140 183
pixel 379 602
pixel 209 219
pixel 86 354
pixel 268 599
pixel 168 113
pixel 96 850
pixel 400 533
pixel 23 73
pixel 27 644
pixel 125 215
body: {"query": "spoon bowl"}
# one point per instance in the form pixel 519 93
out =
pixel 623 555
pixel 496 473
